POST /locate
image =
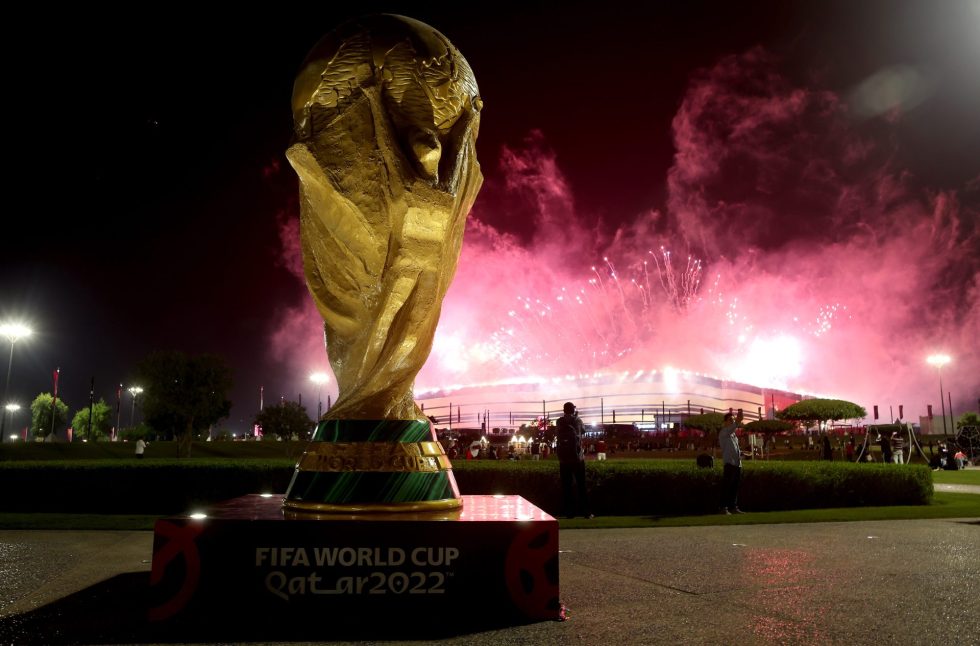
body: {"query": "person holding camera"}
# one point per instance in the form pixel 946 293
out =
pixel 571 462
pixel 732 457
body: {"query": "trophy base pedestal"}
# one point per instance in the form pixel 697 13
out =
pixel 248 567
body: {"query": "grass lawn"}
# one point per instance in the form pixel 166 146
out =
pixel 963 476
pixel 944 505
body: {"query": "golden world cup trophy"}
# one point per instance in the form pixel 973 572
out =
pixel 386 113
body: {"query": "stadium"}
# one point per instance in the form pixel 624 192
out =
pixel 649 400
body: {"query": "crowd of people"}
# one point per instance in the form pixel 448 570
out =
pixel 891 448
pixel 571 448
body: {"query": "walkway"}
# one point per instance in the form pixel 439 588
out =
pixel 873 582
pixel 957 488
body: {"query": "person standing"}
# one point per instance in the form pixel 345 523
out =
pixel 600 450
pixel 828 452
pixel 898 448
pixel 732 457
pixel 886 447
pixel 960 459
pixel 571 463
pixel 140 448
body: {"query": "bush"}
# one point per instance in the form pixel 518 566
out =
pixel 616 487
pixel 673 487
pixel 151 486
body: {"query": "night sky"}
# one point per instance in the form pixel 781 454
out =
pixel 149 185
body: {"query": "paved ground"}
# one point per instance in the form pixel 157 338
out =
pixel 876 582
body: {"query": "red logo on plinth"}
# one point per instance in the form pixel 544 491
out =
pixel 531 571
pixel 181 543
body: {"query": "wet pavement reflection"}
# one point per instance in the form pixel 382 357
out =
pixel 877 582
pixel 786 610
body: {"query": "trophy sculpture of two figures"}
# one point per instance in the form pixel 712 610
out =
pixel 386 113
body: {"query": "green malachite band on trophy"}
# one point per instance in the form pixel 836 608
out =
pixel 364 465
pixel 360 430
pixel 373 487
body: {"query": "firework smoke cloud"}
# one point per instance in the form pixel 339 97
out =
pixel 792 252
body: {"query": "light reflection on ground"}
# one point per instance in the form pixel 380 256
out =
pixel 787 611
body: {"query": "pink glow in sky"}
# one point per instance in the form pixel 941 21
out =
pixel 823 267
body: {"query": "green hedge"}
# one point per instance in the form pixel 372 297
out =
pixel 616 487
pixel 673 487
pixel 18 451
pixel 134 487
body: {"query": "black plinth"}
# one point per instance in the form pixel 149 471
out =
pixel 493 562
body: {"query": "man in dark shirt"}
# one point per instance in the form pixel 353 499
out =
pixel 571 462
pixel 886 447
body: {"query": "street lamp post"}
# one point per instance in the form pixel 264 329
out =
pixel 134 391
pixel 13 332
pixel 12 409
pixel 319 378
pixel 940 360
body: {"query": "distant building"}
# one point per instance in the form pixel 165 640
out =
pixel 637 398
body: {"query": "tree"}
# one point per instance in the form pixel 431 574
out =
pixel 101 422
pixel 183 395
pixel 968 420
pixel 820 410
pixel 968 437
pixel 285 419
pixel 41 409
pixel 133 433
pixel 709 423
pixel 221 435
pixel 768 426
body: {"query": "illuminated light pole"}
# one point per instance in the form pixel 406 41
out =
pixel 319 378
pixel 134 391
pixel 12 409
pixel 940 360
pixel 13 332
